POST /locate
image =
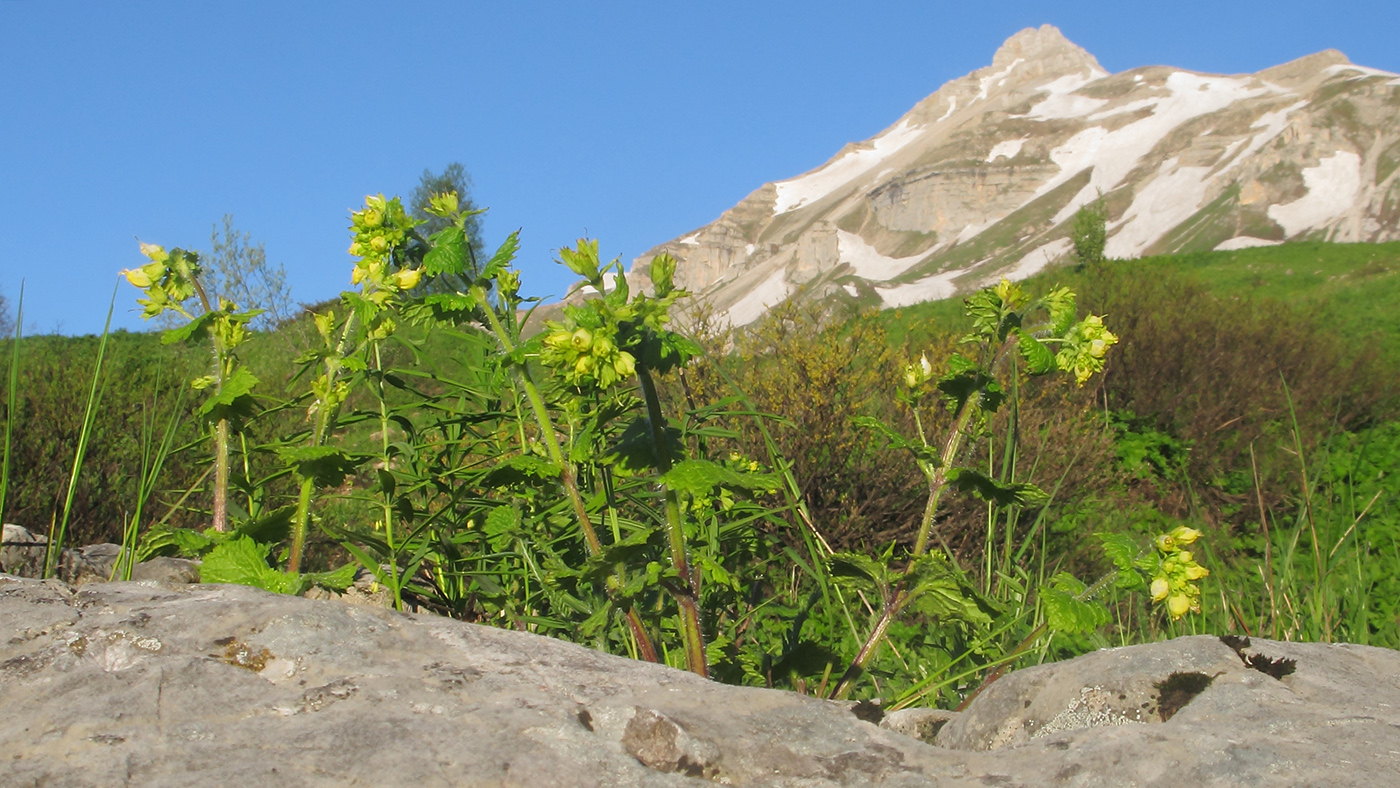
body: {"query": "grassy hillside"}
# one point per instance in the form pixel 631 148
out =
pixel 1356 287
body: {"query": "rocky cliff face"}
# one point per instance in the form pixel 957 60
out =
pixel 982 179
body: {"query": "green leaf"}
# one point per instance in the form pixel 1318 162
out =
pixel 232 401
pixel 169 540
pixel 326 465
pixel 982 486
pixel 270 528
pixel 1121 549
pixel 700 477
pixel 1065 611
pixel 1039 358
pixel 336 579
pixel 505 253
pixel 194 331
pixel 635 451
pixel 242 561
pixel 860 571
pixel 518 470
pixel 449 252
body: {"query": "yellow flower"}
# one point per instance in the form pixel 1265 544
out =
pixel 1184 535
pixel 137 277
pixel 408 278
pixel 1160 589
pixel 1178 605
pixel 582 339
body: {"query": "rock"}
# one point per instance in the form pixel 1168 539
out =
pixel 165 569
pixel 131 683
pixel 23 556
pixel 21 552
pixel 921 724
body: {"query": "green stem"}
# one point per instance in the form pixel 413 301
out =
pixel 387 505
pixel 325 418
pixel 566 469
pixel 692 633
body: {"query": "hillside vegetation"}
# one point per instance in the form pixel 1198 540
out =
pixel 1248 407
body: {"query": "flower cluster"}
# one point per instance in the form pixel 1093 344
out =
pixel 381 228
pixel 1085 346
pixel 587 355
pixel 1177 572
pixel 169 279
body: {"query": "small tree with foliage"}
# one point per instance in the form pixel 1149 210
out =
pixel 1090 232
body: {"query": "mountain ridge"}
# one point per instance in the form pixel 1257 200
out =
pixel 981 179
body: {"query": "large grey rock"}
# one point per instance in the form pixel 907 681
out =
pixel 144 684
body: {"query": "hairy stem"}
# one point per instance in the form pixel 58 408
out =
pixel 567 475
pixel 692 633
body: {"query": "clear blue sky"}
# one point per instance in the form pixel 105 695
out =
pixel 629 122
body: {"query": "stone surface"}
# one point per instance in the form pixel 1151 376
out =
pixel 155 685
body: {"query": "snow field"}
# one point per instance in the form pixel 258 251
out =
pixel 1333 186
pixel 835 174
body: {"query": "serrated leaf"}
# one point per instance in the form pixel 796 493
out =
pixel 984 487
pixel 1065 612
pixel 449 252
pixel 519 469
pixel 336 579
pixel 1039 358
pixel 635 452
pixel 1121 549
pixel 327 466
pixel 242 561
pixel 194 331
pixel 270 528
pixel 234 400
pixel 861 571
pixel 701 477
pixel 503 256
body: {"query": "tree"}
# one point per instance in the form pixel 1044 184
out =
pixel 236 268
pixel 453 178
pixel 1090 232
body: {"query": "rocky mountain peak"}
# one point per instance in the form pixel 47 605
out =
pixel 982 179
pixel 1047 50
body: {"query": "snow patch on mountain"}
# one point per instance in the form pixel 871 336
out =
pixel 866 260
pixel 1332 189
pixel 986 82
pixel 1362 71
pixel 1007 148
pixel 1244 242
pixel 1166 201
pixel 1114 154
pixel 766 294
pixel 1063 103
pixel 930 288
pixel 819 183
pixel 1039 258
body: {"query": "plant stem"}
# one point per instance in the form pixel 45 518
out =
pixel 325 418
pixel 691 631
pixel 566 469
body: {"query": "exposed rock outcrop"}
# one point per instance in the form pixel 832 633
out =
pixel 154 685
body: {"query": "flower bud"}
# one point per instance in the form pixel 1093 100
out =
pixel 137 277
pixel 1160 589
pixel 1184 535
pixel 408 278
pixel 584 366
pixel 625 364
pixel 1178 605
pixel 582 339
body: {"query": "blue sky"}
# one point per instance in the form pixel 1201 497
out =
pixel 629 122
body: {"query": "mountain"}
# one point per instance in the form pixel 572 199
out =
pixel 982 179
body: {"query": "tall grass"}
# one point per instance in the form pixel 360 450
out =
pixel 11 398
pixel 54 549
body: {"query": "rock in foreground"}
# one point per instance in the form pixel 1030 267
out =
pixel 129 683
